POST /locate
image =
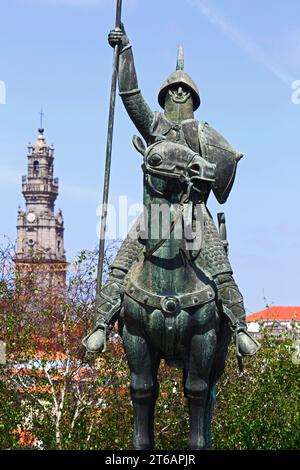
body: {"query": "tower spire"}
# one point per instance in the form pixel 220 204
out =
pixel 180 59
pixel 40 240
pixel 41 138
pixel 41 129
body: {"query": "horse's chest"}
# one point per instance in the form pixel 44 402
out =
pixel 163 276
pixel 168 331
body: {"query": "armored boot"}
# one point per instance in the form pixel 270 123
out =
pixel 234 310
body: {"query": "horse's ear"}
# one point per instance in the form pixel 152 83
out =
pixel 139 144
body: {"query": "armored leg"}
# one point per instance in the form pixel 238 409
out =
pixel 143 365
pixel 107 311
pixel 232 297
pixel 213 258
pixel 233 300
pixel 108 303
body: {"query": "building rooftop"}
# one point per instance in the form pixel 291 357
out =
pixel 276 314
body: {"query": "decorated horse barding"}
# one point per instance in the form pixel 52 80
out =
pixel 173 293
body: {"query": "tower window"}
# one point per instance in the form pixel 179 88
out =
pixel 36 166
pixel 58 244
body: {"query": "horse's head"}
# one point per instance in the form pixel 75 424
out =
pixel 172 169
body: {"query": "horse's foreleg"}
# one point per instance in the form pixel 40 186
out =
pixel 197 385
pixel 211 400
pixel 143 365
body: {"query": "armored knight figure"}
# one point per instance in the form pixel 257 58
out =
pixel 179 98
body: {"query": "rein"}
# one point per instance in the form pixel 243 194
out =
pixel 184 200
pixel 149 253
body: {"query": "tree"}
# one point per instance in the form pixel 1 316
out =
pixel 260 409
pixel 54 388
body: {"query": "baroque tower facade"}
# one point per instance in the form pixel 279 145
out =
pixel 40 230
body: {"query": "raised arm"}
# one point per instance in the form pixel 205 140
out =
pixel 139 111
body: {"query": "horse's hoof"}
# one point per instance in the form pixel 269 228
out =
pixel 199 445
pixel 143 446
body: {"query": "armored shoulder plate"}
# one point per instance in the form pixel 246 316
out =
pixel 216 149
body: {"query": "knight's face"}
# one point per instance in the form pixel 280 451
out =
pixel 179 103
pixel 179 94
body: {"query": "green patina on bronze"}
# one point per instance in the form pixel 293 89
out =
pixel 174 296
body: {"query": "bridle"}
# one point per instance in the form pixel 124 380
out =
pixel 174 161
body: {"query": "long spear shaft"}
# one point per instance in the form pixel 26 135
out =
pixel 108 154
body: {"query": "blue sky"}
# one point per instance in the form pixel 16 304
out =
pixel 244 56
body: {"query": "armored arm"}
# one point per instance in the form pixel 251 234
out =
pixel 139 111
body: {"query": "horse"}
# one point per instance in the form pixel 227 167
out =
pixel 171 309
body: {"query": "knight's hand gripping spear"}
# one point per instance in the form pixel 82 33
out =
pixel 117 37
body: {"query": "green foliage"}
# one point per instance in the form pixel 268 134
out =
pixel 10 412
pixel 256 410
pixel 260 410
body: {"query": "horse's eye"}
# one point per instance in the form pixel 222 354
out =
pixel 154 160
pixel 194 169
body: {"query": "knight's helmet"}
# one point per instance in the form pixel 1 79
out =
pixel 179 77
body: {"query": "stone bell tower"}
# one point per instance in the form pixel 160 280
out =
pixel 40 231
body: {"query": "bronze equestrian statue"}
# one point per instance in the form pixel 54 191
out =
pixel 174 296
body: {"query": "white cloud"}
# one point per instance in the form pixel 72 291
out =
pixel 242 40
pixel 285 45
